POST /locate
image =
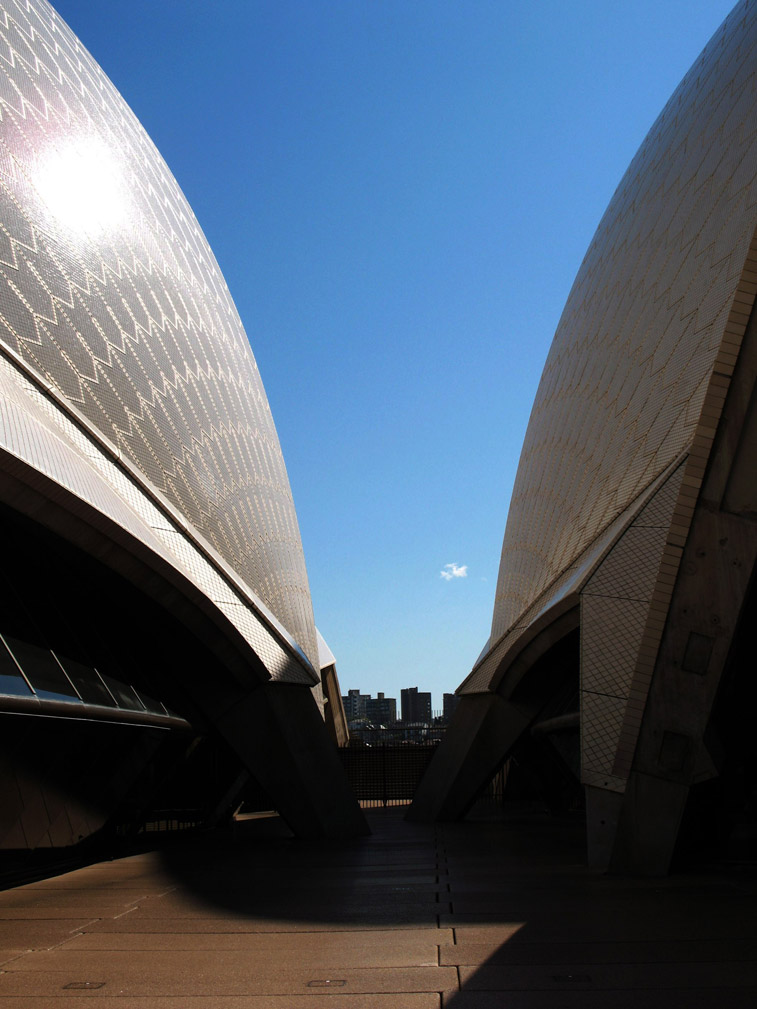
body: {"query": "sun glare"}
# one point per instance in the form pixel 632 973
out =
pixel 84 187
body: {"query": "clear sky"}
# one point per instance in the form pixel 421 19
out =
pixel 399 194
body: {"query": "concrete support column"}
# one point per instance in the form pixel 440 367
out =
pixel 602 814
pixel 648 825
pixel 717 565
pixel 277 731
pixel 718 561
pixel 483 730
pixel 335 718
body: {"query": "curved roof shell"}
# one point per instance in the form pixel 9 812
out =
pixel 112 301
pixel 624 383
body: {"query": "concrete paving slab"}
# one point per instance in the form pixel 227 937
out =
pixel 683 952
pixel 82 898
pixel 110 889
pixel 229 924
pixel 589 908
pixel 75 1000
pixel 560 895
pixel 223 891
pixel 665 998
pixel 608 977
pixel 471 927
pixel 6 955
pixel 352 910
pixel 107 875
pixel 230 961
pixel 363 879
pixel 298 872
pixel 341 893
pixel 329 950
pixel 249 923
pixel 56 913
pixel 580 879
pixel 293 906
pixel 39 935
pixel 422 943
pixel 146 979
pixel 602 927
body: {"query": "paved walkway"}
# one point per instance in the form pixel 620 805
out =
pixel 468 916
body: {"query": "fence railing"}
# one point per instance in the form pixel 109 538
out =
pixel 387 774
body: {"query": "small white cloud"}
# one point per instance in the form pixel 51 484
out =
pixel 454 571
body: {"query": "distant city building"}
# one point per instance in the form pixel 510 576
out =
pixel 449 704
pixel 416 706
pixel 355 704
pixel 382 710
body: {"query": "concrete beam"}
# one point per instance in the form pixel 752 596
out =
pixel 483 730
pixel 278 733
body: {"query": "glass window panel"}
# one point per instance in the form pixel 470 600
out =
pixel 11 680
pixel 27 645
pixel 150 703
pixel 87 681
pixel 42 671
pixel 125 696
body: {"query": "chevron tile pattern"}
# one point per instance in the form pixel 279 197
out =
pixel 566 589
pixel 623 386
pixel 110 295
pixel 614 609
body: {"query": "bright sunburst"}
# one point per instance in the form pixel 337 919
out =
pixel 83 186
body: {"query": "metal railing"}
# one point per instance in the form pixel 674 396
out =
pixel 386 774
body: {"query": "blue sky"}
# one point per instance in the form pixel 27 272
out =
pixel 399 194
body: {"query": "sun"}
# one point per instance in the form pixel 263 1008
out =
pixel 84 186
